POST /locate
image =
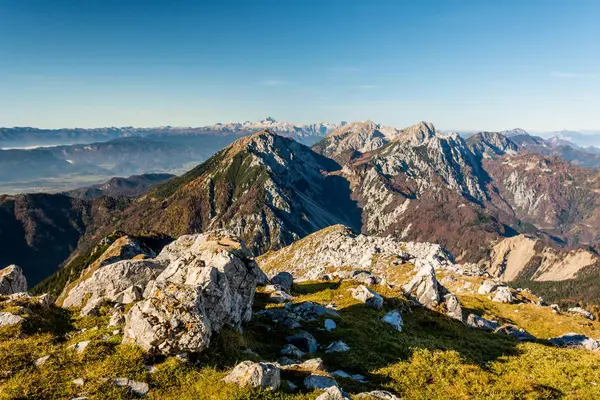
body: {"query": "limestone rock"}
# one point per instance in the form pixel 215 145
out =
pixel 394 319
pixel 259 375
pixel 79 347
pixel 137 388
pixel 304 341
pixel 424 287
pixel 330 325
pixel 337 347
pixel 583 312
pixel 518 333
pixel 210 282
pixel 487 287
pixel 475 321
pixel 313 382
pixel 111 280
pixel 292 351
pixel 12 280
pixel 7 318
pixel 576 341
pixel 283 279
pixel 367 296
pixel 41 361
pixel 453 308
pixel 503 295
pixel 332 393
pixel 377 394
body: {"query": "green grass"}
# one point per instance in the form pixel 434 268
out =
pixel 433 358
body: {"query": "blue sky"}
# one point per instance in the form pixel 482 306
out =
pixel 460 64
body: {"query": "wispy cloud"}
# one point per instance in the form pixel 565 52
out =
pixel 571 75
pixel 368 86
pixel 276 82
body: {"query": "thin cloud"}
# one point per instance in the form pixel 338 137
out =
pixel 571 75
pixel 368 87
pixel 276 82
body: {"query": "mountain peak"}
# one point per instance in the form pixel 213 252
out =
pixel 515 132
pixel 417 133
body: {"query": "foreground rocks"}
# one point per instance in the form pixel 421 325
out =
pixel 575 340
pixel 209 283
pixel 12 280
pixel 257 375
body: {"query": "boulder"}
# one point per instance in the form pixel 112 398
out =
pixel 46 300
pixel 424 287
pixel 583 312
pixel 109 282
pixel 211 283
pixel 330 325
pixel 304 341
pixel 92 308
pixel 475 321
pixel 79 347
pixel 7 318
pixel 258 375
pixel 116 319
pixel 283 279
pixel 279 296
pixel 292 351
pixel 332 393
pixel 367 296
pixel 313 382
pixel 337 347
pixel 453 308
pixel 555 308
pixel 314 364
pixel 137 388
pixel 377 394
pixel 487 287
pixel 518 333
pixel 12 280
pixel 394 319
pixel 575 340
pixel 503 295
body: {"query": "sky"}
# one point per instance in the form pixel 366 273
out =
pixel 463 65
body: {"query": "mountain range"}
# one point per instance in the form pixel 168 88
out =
pixel 414 184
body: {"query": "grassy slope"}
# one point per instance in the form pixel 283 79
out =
pixel 433 358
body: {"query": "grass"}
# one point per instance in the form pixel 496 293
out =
pixel 433 358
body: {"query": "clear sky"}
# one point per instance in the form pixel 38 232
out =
pixel 460 64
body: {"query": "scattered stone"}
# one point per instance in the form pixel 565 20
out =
pixel 80 346
pixel 283 279
pixel 304 341
pixel 92 308
pixel 453 308
pixel 248 373
pixel 394 319
pixel 279 296
pixel 487 287
pixel 576 340
pixel 292 351
pixel 313 382
pixel 555 308
pixel 475 321
pixel 289 385
pixel 41 361
pixel 365 277
pixel 377 394
pixel 137 388
pixel 503 295
pixel 45 300
pixel 518 333
pixel 7 318
pixel 424 287
pixel 12 280
pixel 367 296
pixel 78 382
pixel 116 332
pixel 130 295
pixel 314 364
pixel 583 312
pixel 330 325
pixel 332 393
pixel 337 347
pixel 150 368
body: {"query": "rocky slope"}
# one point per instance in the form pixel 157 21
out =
pixel 133 186
pixel 268 189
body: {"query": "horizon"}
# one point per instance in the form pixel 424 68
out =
pixel 464 64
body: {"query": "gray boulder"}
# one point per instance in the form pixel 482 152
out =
pixel 377 394
pixel 453 308
pixel 518 333
pixel 211 283
pixel 110 281
pixel 583 312
pixel 503 295
pixel 7 318
pixel 367 296
pixel 424 287
pixel 487 287
pixel 12 280
pixel 337 347
pixel 394 319
pixel 475 321
pixel 304 341
pixel 332 393
pixel 137 388
pixel 313 382
pixel 258 375
pixel 283 279
pixel 575 340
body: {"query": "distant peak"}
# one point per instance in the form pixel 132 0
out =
pixel 515 132
pixel 270 119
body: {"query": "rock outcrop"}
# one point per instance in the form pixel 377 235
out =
pixel 576 340
pixel 210 282
pixel 12 280
pixel 257 375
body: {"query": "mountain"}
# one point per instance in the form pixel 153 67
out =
pixel 268 189
pixel 133 186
